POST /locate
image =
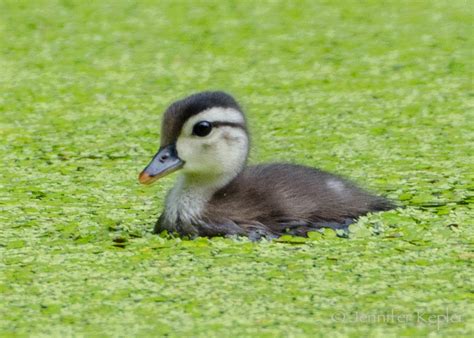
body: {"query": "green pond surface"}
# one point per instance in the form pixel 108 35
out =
pixel 377 91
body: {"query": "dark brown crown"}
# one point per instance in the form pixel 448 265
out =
pixel 180 111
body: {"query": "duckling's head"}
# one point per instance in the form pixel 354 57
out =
pixel 205 135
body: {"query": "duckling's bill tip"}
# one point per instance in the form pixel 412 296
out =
pixel 144 178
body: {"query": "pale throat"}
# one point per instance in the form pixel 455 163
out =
pixel 187 199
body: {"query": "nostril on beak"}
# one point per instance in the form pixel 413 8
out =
pixel 164 157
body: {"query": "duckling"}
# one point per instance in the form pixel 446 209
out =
pixel 205 136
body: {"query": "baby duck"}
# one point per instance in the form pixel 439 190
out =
pixel 205 136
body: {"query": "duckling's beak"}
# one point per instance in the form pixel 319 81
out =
pixel 163 163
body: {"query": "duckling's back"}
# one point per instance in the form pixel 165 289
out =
pixel 281 197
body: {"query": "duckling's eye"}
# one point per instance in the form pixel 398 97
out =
pixel 202 128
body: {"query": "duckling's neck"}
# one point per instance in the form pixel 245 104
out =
pixel 187 199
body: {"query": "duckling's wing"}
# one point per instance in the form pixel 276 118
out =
pixel 287 196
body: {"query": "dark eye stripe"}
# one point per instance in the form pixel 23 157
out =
pixel 217 124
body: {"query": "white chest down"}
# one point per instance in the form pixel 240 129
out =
pixel 185 204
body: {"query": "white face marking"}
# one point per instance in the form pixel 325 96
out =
pixel 335 185
pixel 212 115
pixel 221 153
